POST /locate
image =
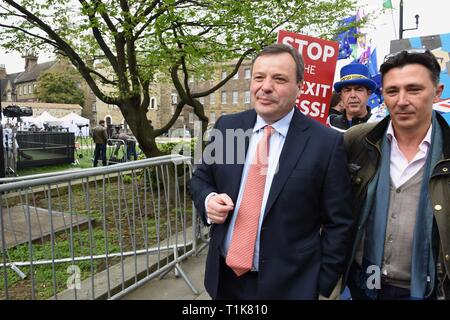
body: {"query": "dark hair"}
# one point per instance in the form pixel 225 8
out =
pixel 405 57
pixel 101 122
pixel 282 48
pixel 335 99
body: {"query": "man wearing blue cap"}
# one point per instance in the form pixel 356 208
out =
pixel 355 88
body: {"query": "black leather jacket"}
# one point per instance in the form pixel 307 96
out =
pixel 341 122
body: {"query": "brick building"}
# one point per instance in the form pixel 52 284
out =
pixel 20 86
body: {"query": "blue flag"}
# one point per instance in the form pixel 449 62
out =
pixel 346 39
pixel 372 63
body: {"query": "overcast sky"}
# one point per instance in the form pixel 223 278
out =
pixel 433 20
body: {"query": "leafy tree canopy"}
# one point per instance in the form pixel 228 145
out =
pixel 59 87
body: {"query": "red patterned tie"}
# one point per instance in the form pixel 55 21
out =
pixel 242 247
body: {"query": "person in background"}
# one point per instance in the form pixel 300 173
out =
pixel 100 139
pixel 355 88
pixel 8 146
pixel 336 105
pixel 130 143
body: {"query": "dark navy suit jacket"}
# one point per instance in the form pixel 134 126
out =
pixel 305 234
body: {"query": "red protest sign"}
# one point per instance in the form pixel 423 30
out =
pixel 320 58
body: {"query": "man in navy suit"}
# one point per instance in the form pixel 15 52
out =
pixel 304 227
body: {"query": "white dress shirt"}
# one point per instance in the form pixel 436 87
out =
pixel 401 169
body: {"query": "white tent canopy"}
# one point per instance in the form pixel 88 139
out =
pixel 26 121
pixel 74 122
pixel 45 117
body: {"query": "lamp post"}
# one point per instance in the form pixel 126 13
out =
pixel 401 22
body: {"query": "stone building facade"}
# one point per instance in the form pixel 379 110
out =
pixel 233 97
pixel 20 87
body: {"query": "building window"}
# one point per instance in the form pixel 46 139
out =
pixel 8 96
pixel 152 103
pixel 212 99
pixel 174 98
pixel 235 97
pixel 247 97
pixel 191 117
pixel 224 97
pixel 236 76
pixel 212 117
pixel 94 107
pixel 248 73
pixel 224 74
pixel 30 90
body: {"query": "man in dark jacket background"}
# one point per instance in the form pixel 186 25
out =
pixel 355 88
pixel 100 138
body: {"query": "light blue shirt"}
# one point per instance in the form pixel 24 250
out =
pixel 276 145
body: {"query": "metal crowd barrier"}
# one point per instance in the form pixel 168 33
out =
pixel 96 233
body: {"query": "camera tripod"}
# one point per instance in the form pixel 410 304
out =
pixel 81 143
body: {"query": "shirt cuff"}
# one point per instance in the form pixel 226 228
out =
pixel 206 203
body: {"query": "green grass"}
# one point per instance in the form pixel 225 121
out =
pixel 84 162
pixel 43 275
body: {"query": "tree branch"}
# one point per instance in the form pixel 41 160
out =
pixel 146 99
pixel 106 18
pixel 130 47
pixel 65 47
pixel 187 89
pixel 171 122
pixel 121 65
pixel 155 16
pixel 102 77
pixel 221 83
pixel 96 32
pixel 50 42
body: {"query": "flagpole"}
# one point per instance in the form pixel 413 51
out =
pixel 400 26
pixel 393 23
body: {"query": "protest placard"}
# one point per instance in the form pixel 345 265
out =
pixel 320 58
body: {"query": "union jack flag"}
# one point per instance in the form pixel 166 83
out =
pixel 442 106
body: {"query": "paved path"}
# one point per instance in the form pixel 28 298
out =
pixel 17 224
pixel 172 288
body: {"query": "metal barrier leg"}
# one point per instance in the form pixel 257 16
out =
pixel 186 279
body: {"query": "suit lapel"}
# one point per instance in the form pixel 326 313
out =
pixel 247 121
pixel 296 140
